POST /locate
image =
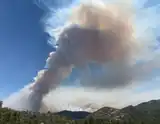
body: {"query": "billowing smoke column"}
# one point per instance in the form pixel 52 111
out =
pixel 102 33
pixel 97 34
pixel 45 81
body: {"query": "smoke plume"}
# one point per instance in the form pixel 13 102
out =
pixel 94 32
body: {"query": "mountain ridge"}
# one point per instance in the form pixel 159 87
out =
pixel 148 112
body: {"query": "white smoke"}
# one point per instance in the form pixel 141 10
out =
pixel 100 32
pixel 80 99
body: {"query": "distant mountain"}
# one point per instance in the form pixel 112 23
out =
pixel 74 114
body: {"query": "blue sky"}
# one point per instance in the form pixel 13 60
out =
pixel 23 43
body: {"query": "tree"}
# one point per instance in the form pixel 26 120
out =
pixel 1 103
pixel 91 120
pixel 85 122
pixel 124 122
pixel 142 122
pixel 117 122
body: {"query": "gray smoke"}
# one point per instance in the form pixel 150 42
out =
pixel 83 43
pixel 118 75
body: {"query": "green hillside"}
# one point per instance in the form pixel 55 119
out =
pixel 144 113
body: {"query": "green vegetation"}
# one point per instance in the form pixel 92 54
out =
pixel 128 115
pixel 8 116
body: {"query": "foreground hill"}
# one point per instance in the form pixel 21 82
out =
pixel 8 116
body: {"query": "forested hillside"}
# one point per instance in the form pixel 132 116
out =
pixel 145 113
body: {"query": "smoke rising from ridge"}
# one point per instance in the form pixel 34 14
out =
pixel 102 33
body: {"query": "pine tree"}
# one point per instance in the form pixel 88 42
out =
pixel 1 103
pixel 85 122
pixel 91 120
pixel 124 122
pixel 117 122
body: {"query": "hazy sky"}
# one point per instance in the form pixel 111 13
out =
pixel 23 43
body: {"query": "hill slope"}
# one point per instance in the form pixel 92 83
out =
pixel 148 112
